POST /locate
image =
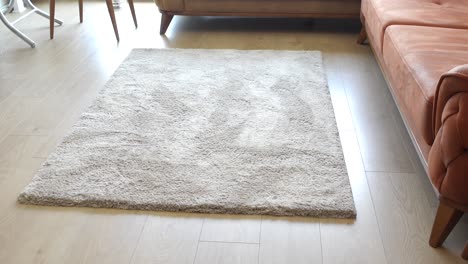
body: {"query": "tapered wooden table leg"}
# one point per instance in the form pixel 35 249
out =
pixel 132 9
pixel 51 18
pixel 110 7
pixel 80 7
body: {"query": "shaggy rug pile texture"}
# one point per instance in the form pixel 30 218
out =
pixel 209 131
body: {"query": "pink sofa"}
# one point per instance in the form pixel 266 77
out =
pixel 422 48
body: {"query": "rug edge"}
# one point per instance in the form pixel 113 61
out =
pixel 30 199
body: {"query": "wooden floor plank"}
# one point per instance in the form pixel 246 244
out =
pixel 13 110
pixel 231 228
pixel 290 240
pixel 405 219
pixel 226 253
pixel 169 238
pixel 342 239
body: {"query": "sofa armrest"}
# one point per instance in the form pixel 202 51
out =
pixel 453 82
pixel 448 157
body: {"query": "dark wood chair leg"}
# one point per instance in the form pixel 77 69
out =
pixel 362 36
pixel 51 18
pixel 132 9
pixel 165 21
pixel 446 219
pixel 110 7
pixel 80 7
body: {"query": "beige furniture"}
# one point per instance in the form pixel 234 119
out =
pixel 257 8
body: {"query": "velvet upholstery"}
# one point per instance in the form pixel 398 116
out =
pixel 448 159
pixel 380 14
pixel 415 57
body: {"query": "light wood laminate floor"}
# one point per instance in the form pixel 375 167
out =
pixel 44 90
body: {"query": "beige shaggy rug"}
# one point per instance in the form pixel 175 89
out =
pixel 210 131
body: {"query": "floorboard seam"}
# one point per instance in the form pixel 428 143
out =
pixel 138 240
pixel 198 243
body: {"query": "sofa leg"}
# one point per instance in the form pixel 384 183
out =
pixel 446 219
pixel 362 36
pixel 165 21
pixel 465 252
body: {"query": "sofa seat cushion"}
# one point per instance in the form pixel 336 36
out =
pixel 379 14
pixel 416 57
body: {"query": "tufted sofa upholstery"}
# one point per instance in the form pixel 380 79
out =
pixel 422 48
pixel 448 158
pixel 255 8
